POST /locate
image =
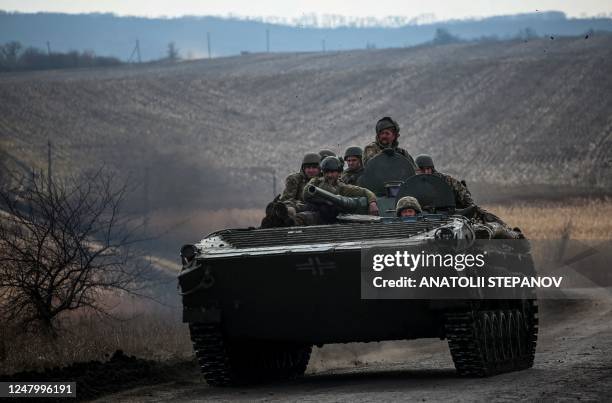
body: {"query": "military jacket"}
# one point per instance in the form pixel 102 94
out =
pixel 373 149
pixel 463 197
pixel 350 177
pixel 343 189
pixel 294 189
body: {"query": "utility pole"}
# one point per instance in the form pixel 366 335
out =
pixel 267 40
pixel 49 165
pixel 48 48
pixel 273 183
pixel 208 43
pixel 146 202
pixel 138 51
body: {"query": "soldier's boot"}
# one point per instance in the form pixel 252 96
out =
pixel 277 215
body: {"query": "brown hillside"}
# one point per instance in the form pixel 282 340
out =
pixel 509 113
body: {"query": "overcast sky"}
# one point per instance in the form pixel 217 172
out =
pixel 441 10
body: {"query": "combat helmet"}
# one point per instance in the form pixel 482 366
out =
pixel 424 161
pixel 407 202
pixel 310 159
pixel 331 163
pixel 353 151
pixel 326 153
pixel 387 123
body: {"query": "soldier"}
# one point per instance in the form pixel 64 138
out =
pixel 387 133
pixel 329 153
pixel 352 157
pixel 326 153
pixel 463 197
pixel 408 206
pixel 294 184
pixel 323 214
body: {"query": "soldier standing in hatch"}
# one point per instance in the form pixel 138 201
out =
pixel 353 157
pixel 330 181
pixel 463 197
pixel 387 133
pixel 294 184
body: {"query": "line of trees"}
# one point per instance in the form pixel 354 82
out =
pixel 14 57
pixel 443 36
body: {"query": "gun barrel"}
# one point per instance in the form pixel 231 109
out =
pixel 357 205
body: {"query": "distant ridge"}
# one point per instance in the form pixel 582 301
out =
pixel 110 35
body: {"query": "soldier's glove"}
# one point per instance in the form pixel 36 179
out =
pixel 373 208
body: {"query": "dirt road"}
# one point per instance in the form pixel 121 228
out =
pixel 573 362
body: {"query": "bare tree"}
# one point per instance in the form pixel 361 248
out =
pixel 173 52
pixel 443 37
pixel 9 54
pixel 62 248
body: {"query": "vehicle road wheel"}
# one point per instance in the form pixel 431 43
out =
pixel 225 363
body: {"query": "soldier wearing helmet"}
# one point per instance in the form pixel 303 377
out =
pixel 387 133
pixel 326 153
pixel 408 206
pixel 330 181
pixel 353 157
pixel 463 197
pixel 294 184
pixel 329 153
pixel 463 200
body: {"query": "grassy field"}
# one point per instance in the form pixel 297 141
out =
pixel 584 219
pixel 208 133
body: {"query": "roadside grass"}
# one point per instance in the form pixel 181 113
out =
pixel 138 327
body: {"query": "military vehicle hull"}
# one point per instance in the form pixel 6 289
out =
pixel 316 300
pixel 258 299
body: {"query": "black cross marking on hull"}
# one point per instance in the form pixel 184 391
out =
pixel 316 266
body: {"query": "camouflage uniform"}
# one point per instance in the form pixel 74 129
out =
pixel 294 184
pixel 294 188
pixel 463 197
pixel 350 177
pixel 373 149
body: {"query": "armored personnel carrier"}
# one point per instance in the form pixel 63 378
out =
pixel 257 300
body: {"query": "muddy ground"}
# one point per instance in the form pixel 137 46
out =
pixel 573 362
